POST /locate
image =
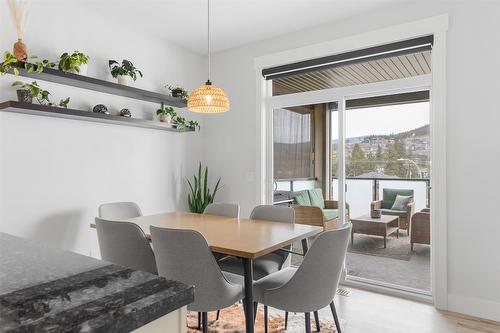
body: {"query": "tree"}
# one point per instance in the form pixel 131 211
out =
pixel 356 164
pixel 395 151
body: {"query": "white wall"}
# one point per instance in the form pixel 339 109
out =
pixel 473 154
pixel 55 172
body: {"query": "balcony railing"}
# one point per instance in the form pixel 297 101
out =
pixel 360 191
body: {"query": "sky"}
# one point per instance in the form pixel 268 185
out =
pixel 385 119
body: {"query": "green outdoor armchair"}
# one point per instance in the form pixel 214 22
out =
pixel 312 209
pixel 385 206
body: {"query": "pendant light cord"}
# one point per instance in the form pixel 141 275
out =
pixel 208 38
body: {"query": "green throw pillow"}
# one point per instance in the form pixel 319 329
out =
pixel 401 202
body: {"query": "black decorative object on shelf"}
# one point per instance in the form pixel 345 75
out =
pixel 100 108
pixel 51 111
pixel 90 83
pixel 125 113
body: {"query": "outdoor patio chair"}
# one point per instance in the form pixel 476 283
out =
pixel 420 228
pixel 386 206
pixel 312 209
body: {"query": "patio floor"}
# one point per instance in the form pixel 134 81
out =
pixel 396 264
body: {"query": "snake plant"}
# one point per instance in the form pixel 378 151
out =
pixel 201 195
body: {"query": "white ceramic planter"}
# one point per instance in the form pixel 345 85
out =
pixel 83 70
pixel 123 79
pixel 166 118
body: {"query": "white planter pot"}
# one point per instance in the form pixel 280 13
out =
pixel 123 79
pixel 166 118
pixel 83 70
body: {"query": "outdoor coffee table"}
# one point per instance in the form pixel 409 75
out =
pixel 383 226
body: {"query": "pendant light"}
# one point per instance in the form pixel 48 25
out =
pixel 208 98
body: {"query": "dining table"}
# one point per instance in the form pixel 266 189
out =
pixel 247 239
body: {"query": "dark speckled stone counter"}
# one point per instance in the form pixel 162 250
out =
pixel 47 290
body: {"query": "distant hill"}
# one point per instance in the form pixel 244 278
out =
pixel 419 131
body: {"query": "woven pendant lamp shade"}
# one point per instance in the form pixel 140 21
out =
pixel 208 99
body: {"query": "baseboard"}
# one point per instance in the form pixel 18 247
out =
pixel 475 307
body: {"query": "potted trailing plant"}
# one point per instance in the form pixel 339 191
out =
pixel 177 91
pixel 166 113
pixel 9 62
pixel 75 63
pixel 28 91
pixel 192 124
pixel 200 195
pixel 182 123
pixel 124 71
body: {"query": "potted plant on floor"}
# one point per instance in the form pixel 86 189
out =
pixel 166 113
pixel 200 195
pixel 124 71
pixel 75 63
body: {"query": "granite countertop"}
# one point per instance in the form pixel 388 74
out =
pixel 48 290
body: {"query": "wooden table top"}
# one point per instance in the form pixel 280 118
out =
pixel 239 237
pixel 385 219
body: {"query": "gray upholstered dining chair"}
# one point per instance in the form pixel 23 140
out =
pixel 125 244
pixel 184 255
pixel 223 209
pixel 271 262
pixel 311 286
pixel 119 210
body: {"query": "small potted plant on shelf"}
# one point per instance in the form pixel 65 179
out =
pixel 192 124
pixel 166 113
pixel 10 64
pixel 75 63
pixel 124 71
pixel 28 91
pixel 178 92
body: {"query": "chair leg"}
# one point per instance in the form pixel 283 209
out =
pixel 265 318
pixel 204 319
pixel 335 317
pixel 316 319
pixel 255 304
pixel 308 322
pixel 218 313
pixel 199 321
pixel 286 320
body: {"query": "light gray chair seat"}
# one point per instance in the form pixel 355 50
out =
pixel 271 262
pixel 262 267
pixel 235 279
pixel 272 281
pixel 312 286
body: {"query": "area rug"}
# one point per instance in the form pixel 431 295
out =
pixel 397 248
pixel 232 320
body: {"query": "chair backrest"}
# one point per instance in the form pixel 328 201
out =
pixel 125 244
pixel 184 255
pixel 302 198
pixel 119 210
pixel 389 196
pixel 223 209
pixel 273 213
pixel 314 284
pixel 316 197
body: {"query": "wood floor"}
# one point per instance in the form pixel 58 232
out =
pixel 367 312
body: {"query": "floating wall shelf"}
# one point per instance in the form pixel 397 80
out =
pixel 90 83
pixel 51 111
